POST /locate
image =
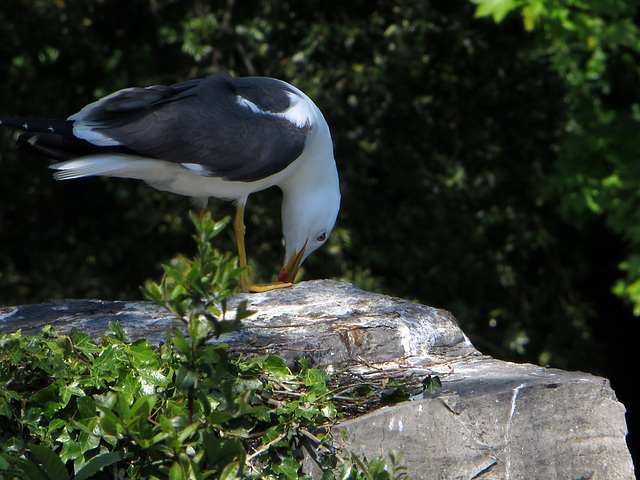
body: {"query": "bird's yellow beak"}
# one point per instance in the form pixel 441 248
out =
pixel 290 270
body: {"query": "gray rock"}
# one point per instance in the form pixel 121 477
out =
pixel 499 420
pixel 327 322
pixel 490 420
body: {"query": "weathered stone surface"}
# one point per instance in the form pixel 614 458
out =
pixel 499 420
pixel 327 322
pixel 490 420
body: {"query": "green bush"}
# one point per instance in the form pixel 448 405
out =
pixel 73 407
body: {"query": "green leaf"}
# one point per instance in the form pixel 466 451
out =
pixel 188 432
pixel 118 330
pixel 498 9
pixel 175 473
pixel 86 408
pixel 218 417
pixel 196 219
pixel 181 342
pixel 277 367
pixel 221 452
pixel 50 461
pixel 231 472
pixel 33 471
pixel 347 472
pixel 123 406
pixel 396 395
pixel 152 291
pixel 178 292
pixel 71 390
pixel 109 422
pixel 142 353
pixel 143 406
pixel 432 383
pixel 64 343
pixel 104 361
pixel 378 469
pixel 289 468
pixel 329 411
pixel 98 463
pixel 186 378
pixel 204 401
pixel 314 376
pixel 87 425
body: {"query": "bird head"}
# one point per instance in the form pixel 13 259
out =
pixel 307 222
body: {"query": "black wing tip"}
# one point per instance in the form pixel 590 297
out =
pixel 62 148
pixel 49 137
pixel 38 125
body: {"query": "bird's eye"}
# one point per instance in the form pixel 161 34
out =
pixel 322 237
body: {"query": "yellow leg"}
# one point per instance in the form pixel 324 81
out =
pixel 245 283
pixel 239 230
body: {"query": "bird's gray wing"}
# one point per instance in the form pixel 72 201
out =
pixel 229 127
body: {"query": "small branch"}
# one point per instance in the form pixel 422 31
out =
pixel 266 447
pixel 309 435
pixel 289 393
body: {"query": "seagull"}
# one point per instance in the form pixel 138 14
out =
pixel 221 137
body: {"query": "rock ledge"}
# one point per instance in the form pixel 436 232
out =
pixel 490 420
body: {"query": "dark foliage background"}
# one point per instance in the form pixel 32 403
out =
pixel 489 169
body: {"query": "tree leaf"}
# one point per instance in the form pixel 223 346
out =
pixel 51 463
pixel 32 471
pixel 175 472
pixel 98 463
pixel 185 378
pixel 497 9
pixel 231 471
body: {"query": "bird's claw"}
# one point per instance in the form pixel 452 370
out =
pixel 266 287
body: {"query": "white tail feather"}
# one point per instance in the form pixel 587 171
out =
pixel 110 165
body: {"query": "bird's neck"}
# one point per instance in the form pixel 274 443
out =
pixel 313 179
pixel 316 168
